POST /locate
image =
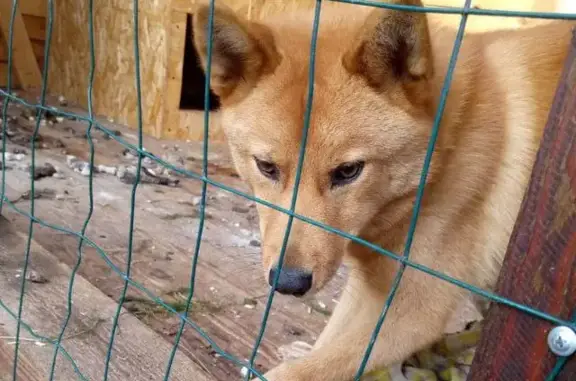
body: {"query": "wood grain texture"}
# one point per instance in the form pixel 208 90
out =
pixel 4 76
pixel 139 353
pixel 23 57
pixel 171 128
pixel 229 276
pixel 540 265
pixel 161 50
pixel 33 7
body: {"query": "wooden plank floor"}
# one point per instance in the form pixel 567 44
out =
pixel 139 352
pixel 231 289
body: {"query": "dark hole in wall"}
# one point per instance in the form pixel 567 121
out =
pixel 193 78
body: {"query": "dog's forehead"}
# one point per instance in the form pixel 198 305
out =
pixel 271 122
pixel 345 112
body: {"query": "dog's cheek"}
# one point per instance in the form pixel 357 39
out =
pixel 356 210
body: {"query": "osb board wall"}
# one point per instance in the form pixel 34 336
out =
pixel 34 15
pixel 253 9
pixel 486 23
pixel 566 6
pixel 162 33
pixel 114 92
pixel 184 123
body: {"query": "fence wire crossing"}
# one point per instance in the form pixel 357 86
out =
pixel 185 322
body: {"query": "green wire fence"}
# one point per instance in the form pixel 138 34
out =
pixel 185 322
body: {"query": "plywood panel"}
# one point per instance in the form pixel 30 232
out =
pixel 171 127
pixel 253 9
pixel 37 48
pixel 36 26
pixel 162 32
pixel 177 122
pixel 4 76
pixel 114 87
pixel 489 23
pixel 24 61
pixel 33 7
pixel 193 123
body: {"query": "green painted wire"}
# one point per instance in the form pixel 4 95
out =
pixel 304 140
pixel 476 290
pixel 189 174
pixel 134 284
pixel 486 294
pixel 134 188
pixel 205 147
pixel 18 316
pixel 225 355
pixel 233 359
pixel 39 116
pixel 80 249
pixel 458 11
pixel 44 339
pixel 421 188
pixel 557 368
pixel 493 297
pixel 555 372
pixel 561 361
pixel 5 107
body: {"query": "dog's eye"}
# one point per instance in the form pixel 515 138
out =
pixel 268 169
pixel 346 173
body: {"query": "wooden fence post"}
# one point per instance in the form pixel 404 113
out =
pixel 540 265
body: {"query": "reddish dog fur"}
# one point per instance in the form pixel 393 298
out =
pixel 379 75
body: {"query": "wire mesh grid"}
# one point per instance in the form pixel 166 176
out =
pixel 404 259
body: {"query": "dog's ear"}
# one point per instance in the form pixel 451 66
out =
pixel 393 47
pixel 242 51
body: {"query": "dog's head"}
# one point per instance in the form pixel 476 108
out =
pixel 371 119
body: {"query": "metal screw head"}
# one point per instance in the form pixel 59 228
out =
pixel 562 341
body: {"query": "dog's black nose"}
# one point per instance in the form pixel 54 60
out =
pixel 292 281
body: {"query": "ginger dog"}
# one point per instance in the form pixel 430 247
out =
pixel 379 75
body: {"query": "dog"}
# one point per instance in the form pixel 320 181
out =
pixel 378 79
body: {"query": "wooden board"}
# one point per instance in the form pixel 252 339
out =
pixel 114 92
pixel 139 353
pixel 36 8
pixel 540 265
pixel 193 123
pixel 4 76
pixel 181 124
pixel 230 287
pixel 37 47
pixel 36 26
pixel 162 36
pixel 171 128
pixel 25 63
pixel 229 271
